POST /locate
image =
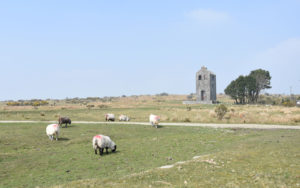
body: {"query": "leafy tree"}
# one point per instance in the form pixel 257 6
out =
pixel 250 88
pixel 263 81
pixel 241 89
pixel 246 89
pixel 231 91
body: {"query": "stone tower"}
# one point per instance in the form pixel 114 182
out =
pixel 206 86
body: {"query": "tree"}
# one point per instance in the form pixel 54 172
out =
pixel 263 81
pixel 231 91
pixel 241 90
pixel 246 89
pixel 250 88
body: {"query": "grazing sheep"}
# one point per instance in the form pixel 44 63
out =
pixel 51 130
pixel 154 120
pixel 100 142
pixel 109 117
pixel 64 120
pixel 123 118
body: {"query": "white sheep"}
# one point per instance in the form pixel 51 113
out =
pixel 154 120
pixel 51 130
pixel 123 118
pixel 101 141
pixel 109 117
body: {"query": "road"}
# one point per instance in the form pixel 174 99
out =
pixel 244 126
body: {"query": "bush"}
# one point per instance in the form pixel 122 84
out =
pixel 90 106
pixel 12 103
pixel 36 103
pixel 186 120
pixel 102 106
pixel 162 94
pixel 289 103
pixel 221 111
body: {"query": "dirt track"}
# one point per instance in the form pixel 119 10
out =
pixel 244 126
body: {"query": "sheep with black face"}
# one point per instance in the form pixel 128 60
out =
pixel 102 142
pixel 64 120
pixel 109 117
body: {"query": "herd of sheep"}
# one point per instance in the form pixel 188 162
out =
pixel 100 142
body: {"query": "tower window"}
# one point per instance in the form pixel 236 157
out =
pixel 200 77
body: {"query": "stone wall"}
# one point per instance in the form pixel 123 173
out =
pixel 206 86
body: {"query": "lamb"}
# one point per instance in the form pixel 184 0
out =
pixel 123 118
pixel 109 117
pixel 100 142
pixel 154 120
pixel 64 120
pixel 51 130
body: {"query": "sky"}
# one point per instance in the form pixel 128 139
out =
pixel 58 49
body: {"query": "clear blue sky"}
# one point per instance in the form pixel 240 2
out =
pixel 59 49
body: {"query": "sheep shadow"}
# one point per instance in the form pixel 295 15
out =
pixel 107 154
pixel 69 126
pixel 63 139
pixel 158 127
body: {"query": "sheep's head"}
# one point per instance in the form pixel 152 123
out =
pixel 114 149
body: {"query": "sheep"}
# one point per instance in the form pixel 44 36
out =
pixel 51 130
pixel 109 117
pixel 154 120
pixel 64 120
pixel 123 118
pixel 101 141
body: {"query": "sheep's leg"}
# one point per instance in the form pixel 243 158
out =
pixel 101 151
pixel 156 125
pixel 56 135
pixel 96 151
pixel 152 124
pixel 106 150
pixel 49 137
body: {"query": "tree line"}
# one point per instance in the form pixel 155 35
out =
pixel 246 89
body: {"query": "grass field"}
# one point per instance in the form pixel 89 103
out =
pixel 229 157
pixel 169 108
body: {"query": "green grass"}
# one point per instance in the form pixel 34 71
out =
pixel 250 157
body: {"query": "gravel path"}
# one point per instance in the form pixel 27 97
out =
pixel 244 126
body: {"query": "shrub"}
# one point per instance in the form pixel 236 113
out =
pixel 36 103
pixel 188 108
pixel 296 119
pixel 186 120
pixel 102 106
pixel 44 102
pixel 289 103
pixel 12 103
pixel 221 111
pixel 90 106
pixel 162 94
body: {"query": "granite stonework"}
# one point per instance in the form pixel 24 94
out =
pixel 206 92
